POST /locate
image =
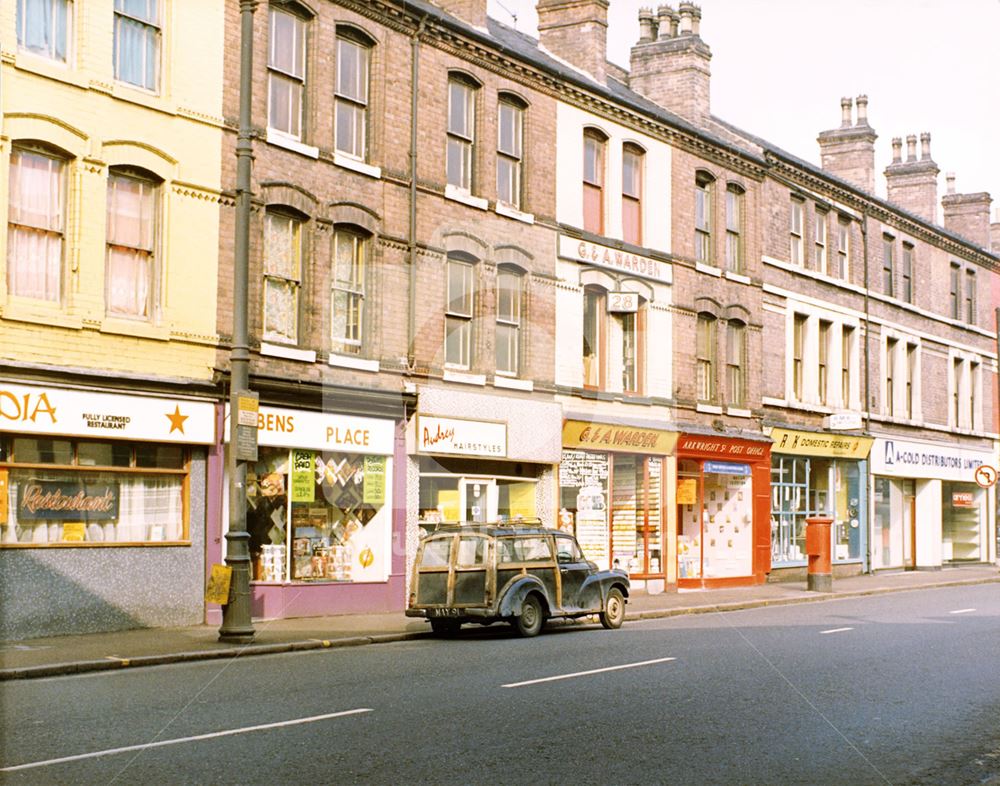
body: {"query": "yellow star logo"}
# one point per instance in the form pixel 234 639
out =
pixel 176 420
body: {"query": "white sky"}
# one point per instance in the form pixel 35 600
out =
pixel 780 68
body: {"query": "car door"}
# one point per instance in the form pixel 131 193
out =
pixel 573 572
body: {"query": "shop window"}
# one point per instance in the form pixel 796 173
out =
pixel 583 501
pixel 705 356
pixel 704 184
pixel 458 316
pixel 508 321
pixel 350 108
pixel 594 330
pixel 319 517
pixel 347 291
pixel 67 492
pixel 636 514
pixel 282 276
pixel 286 72
pixel 36 224
pixel 43 27
pixel 594 144
pixel 137 42
pixel 963 517
pixel 461 132
pixel 734 228
pixel 131 251
pixel 632 177
pixel 510 153
pixel 715 519
pixel 455 498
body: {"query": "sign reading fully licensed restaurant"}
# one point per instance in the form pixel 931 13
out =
pixel 81 413
pixel 613 258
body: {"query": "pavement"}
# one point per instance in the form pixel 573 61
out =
pixel 61 655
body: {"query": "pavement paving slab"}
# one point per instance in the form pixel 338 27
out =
pixel 60 655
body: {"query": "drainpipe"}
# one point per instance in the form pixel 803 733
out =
pixel 411 329
pixel 869 484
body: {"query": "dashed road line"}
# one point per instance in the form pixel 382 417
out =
pixel 586 673
pixel 836 630
pixel 961 611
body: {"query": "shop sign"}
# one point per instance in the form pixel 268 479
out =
pixel 323 431
pixel 906 459
pixel 809 443
pixel 693 443
pixel 79 413
pixel 217 589
pixel 67 500
pixel 843 421
pixel 623 302
pixel 454 436
pixel 374 480
pixel 962 499
pixel 303 480
pixel 614 258
pixel 726 468
pixel 624 439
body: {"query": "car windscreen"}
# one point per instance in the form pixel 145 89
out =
pixel 526 549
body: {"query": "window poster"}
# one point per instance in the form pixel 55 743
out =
pixel 374 480
pixel 583 489
pixel 303 482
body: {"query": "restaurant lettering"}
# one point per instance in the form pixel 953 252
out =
pixel 28 406
pixel 67 501
pixel 106 421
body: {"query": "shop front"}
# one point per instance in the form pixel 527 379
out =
pixel 325 535
pixel 819 474
pixel 102 509
pixel 483 458
pixel 723 538
pixel 612 490
pixel 928 509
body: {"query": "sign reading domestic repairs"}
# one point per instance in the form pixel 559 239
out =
pixel 810 443
pixel 625 439
pixel 373 492
pixel 614 258
pixel 461 437
pixel 66 500
pixel 907 459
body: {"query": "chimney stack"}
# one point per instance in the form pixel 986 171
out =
pixel 471 11
pixel 576 31
pixel 912 184
pixel 995 233
pixel 968 215
pixel 849 151
pixel 673 70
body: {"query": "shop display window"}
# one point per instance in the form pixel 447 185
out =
pixel 583 506
pixel 636 544
pixel 319 517
pixel 715 517
pixel 60 492
pixel 962 517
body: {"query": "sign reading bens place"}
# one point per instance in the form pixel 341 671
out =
pixel 614 258
pixel 905 459
pixel 81 413
pixel 323 431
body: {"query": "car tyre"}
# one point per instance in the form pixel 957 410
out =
pixel 614 610
pixel 532 617
pixel 445 628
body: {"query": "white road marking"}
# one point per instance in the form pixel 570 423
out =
pixel 586 673
pixel 836 630
pixel 961 611
pixel 161 743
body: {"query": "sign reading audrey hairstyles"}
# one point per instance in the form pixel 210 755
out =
pixel 69 500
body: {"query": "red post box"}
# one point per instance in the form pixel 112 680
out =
pixel 820 575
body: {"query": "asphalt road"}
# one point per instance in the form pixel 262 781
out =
pixel 901 689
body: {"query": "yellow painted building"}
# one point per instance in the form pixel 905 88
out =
pixel 110 159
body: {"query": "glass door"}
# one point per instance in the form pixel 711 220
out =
pixel 478 499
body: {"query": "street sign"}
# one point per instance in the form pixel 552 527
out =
pixel 986 476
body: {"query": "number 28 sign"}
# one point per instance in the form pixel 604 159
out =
pixel 622 302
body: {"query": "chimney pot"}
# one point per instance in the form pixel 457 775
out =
pixel 897 150
pixel 695 20
pixel 846 105
pixel 911 147
pixel 664 16
pixel 687 14
pixel 862 102
pixel 949 179
pixel 925 146
pixel 647 25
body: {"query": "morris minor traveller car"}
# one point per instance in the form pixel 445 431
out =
pixel 524 575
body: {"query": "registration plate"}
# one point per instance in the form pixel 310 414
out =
pixel 442 612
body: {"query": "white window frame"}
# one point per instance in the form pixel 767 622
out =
pixel 796 252
pixel 460 318
pixel 295 79
pixel 820 238
pixel 350 291
pixel 461 142
pixel 509 321
pixel 153 27
pixel 291 282
pixel 356 102
pixel 512 156
pixel 148 250
pixel 51 50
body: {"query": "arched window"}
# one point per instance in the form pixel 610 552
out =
pixel 703 185
pixel 735 259
pixel 508 327
pixel 510 138
pixel 351 94
pixel 736 363
pixel 461 131
pixel 705 354
pixel 36 223
pixel 594 144
pixel 347 290
pixel 632 177
pixel 286 72
pixel 131 265
pixel 282 275
pixel 460 300
pixel 594 333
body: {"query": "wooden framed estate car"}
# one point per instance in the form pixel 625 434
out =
pixel 524 575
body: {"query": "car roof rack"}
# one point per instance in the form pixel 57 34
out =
pixel 514 521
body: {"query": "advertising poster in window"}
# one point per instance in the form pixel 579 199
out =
pixel 583 488
pixel 303 483
pixel 374 480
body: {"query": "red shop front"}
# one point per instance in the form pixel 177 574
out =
pixel 723 511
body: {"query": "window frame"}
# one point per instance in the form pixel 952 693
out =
pixel 798 355
pixel 120 17
pixel 888 264
pixel 358 104
pixel 796 251
pixel 464 140
pixel 593 188
pixel 820 239
pixel 843 247
pixel 706 340
pixel 595 302
pixel 295 284
pixel 632 227
pixel 297 81
pixel 825 331
pixel 633 324
pixel 512 158
pixel 891 368
pixel 463 319
pixel 353 290
pixel 735 256
pixel 955 278
pixel 906 273
pixel 970 296
pixel 152 252
pixel 846 357
pixel 509 321
pixel 736 362
pixel 51 51
pixel 704 208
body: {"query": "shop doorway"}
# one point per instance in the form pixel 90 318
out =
pixel 636 520
pixel 910 524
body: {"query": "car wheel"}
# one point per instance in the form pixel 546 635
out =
pixel 532 617
pixel 447 628
pixel 614 610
